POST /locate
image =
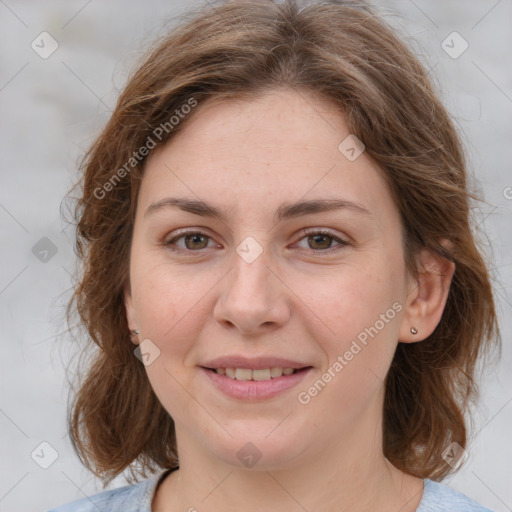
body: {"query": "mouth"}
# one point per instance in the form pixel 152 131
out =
pixel 258 375
pixel 254 384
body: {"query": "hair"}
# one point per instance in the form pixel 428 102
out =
pixel 345 52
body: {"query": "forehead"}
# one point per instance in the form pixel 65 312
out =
pixel 282 144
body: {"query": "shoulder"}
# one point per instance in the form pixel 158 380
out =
pixel 130 498
pixel 439 498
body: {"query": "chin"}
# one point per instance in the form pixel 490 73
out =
pixel 260 451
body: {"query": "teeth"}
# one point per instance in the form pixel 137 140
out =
pixel 276 372
pixel 243 374
pixel 265 374
pixel 248 374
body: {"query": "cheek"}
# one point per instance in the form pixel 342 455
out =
pixel 349 298
pixel 171 308
pixel 167 298
pixel 359 355
pixel 358 310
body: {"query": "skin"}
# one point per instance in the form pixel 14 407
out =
pixel 250 157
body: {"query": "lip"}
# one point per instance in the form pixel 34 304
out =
pixel 256 363
pixel 255 390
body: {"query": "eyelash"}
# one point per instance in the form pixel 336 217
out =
pixel 307 232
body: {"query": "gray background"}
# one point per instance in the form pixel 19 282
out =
pixel 51 110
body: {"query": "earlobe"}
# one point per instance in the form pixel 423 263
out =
pixel 134 335
pixel 427 296
pixel 130 315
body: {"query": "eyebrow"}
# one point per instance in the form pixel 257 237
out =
pixel 285 211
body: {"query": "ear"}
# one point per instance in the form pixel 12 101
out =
pixel 426 296
pixel 130 311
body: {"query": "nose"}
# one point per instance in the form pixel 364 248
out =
pixel 252 299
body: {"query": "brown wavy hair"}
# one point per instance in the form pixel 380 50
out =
pixel 346 52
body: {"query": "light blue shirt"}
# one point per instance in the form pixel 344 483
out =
pixel 137 498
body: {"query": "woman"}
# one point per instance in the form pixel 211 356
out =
pixel 280 274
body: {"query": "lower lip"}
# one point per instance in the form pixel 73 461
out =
pixel 255 390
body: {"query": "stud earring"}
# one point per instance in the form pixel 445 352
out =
pixel 134 334
pixel 414 330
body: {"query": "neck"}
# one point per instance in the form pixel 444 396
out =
pixel 352 475
pixel 387 488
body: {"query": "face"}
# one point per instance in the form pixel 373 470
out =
pixel 322 288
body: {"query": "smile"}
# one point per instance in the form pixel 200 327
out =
pixel 259 384
pixel 258 375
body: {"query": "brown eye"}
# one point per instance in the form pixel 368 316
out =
pixel 319 242
pixel 322 241
pixel 193 242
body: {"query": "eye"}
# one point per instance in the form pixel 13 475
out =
pixel 193 241
pixel 321 241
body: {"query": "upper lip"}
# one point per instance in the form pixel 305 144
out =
pixel 256 363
